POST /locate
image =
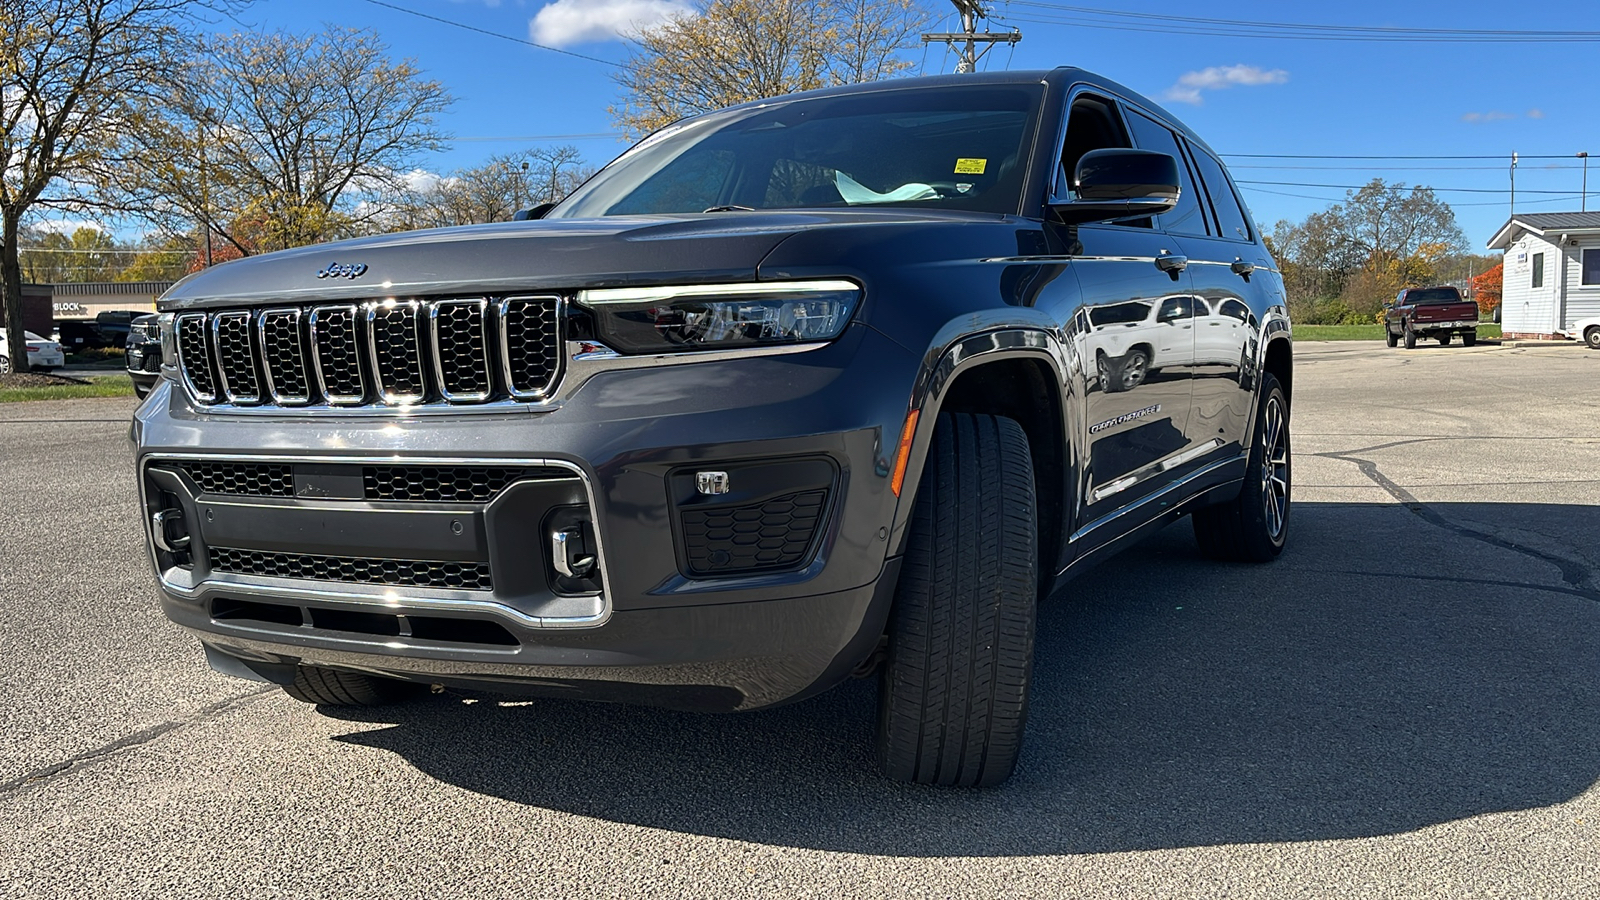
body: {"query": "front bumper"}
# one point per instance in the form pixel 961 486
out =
pixel 653 627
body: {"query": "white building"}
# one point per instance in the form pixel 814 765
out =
pixel 1552 272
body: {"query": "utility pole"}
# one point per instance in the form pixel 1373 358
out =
pixel 970 37
pixel 1513 183
pixel 205 191
pixel 1585 157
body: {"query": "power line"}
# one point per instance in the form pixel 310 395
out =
pixel 1088 17
pixel 1500 156
pixel 1357 187
pixel 504 37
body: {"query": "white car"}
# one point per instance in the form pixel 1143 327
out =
pixel 43 353
pixel 1129 340
pixel 1587 330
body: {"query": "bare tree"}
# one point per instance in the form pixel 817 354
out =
pixel 76 76
pixel 733 51
pixel 492 192
pixel 280 140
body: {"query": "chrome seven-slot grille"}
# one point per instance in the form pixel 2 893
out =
pixel 449 351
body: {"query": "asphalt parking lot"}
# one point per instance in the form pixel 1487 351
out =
pixel 1406 704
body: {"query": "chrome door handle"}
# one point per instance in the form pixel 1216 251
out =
pixel 1172 264
pixel 1242 269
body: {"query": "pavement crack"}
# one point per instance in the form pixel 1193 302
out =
pixel 1573 572
pixel 138 738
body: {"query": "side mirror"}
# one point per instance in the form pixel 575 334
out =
pixel 523 215
pixel 1120 184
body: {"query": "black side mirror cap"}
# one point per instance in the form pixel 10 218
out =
pixel 537 212
pixel 1117 184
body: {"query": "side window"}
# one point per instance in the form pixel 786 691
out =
pixel 1231 215
pixel 1187 217
pixel 1233 309
pixel 1591 267
pixel 1538 270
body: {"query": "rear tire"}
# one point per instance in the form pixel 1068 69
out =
pixel 1254 526
pixel 1469 338
pixel 1591 336
pixel 332 687
pixel 1410 337
pixel 953 695
pixel 5 365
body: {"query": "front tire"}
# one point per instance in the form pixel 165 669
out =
pixel 1591 336
pixel 5 365
pixel 953 696
pixel 332 687
pixel 1444 339
pixel 1469 338
pixel 1253 526
pixel 1389 337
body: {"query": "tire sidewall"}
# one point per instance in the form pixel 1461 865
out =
pixel 1253 514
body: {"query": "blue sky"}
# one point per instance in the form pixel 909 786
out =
pixel 1245 96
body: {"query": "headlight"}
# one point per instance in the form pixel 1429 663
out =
pixel 720 317
pixel 167 330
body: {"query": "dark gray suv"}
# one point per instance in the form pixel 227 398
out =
pixel 827 385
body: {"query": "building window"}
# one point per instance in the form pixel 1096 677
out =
pixel 1538 270
pixel 1591 267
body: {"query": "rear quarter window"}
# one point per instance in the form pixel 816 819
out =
pixel 1231 215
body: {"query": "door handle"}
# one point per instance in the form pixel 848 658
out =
pixel 1172 264
pixel 1242 269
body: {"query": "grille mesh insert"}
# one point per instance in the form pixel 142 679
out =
pixel 445 484
pixel 533 359
pixel 338 353
pixel 251 479
pixel 236 360
pixel 462 347
pixel 760 537
pixel 354 570
pixel 195 352
pixel 285 360
pixel 396 351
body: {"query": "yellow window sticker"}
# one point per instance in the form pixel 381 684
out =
pixel 966 166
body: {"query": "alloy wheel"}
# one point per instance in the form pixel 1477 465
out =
pixel 1275 469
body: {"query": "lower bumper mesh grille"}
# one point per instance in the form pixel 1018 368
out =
pixel 353 570
pixel 761 537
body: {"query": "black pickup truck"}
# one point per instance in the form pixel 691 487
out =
pixel 799 390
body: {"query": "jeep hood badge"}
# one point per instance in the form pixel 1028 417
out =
pixel 350 270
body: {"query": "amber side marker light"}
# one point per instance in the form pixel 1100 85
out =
pixel 903 455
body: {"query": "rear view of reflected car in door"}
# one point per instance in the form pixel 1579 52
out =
pixel 835 384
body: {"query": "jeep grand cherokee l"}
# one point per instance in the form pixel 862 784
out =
pixel 787 392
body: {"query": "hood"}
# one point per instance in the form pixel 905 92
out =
pixel 552 254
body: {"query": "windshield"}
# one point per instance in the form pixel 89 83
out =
pixel 1434 295
pixel 940 148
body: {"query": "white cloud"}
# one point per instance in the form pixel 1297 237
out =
pixel 1190 87
pixel 1535 113
pixel 1495 115
pixel 66 226
pixel 421 180
pixel 567 22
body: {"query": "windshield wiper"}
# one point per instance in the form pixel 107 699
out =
pixel 730 209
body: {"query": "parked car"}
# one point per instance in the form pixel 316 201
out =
pixel 43 353
pixel 144 353
pixel 1432 312
pixel 113 325
pixel 76 335
pixel 1587 330
pixel 788 392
